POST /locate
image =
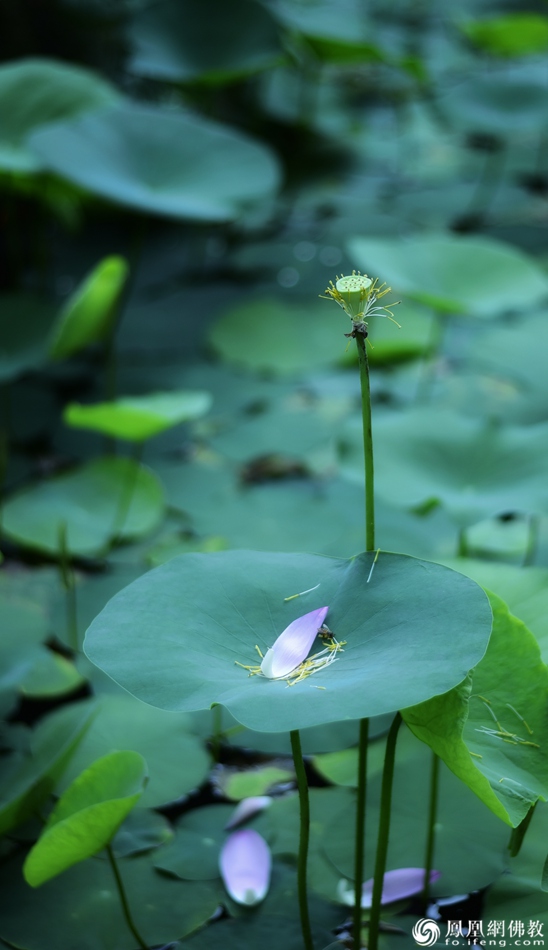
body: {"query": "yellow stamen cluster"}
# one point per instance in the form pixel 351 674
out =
pixel 313 664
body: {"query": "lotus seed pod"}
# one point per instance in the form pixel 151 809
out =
pixel 354 289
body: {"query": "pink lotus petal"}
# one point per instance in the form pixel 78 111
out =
pixel 404 882
pixel 247 808
pixel 293 645
pixel 245 866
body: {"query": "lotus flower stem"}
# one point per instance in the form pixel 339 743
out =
pixel 367 444
pixel 384 832
pixel 360 829
pixel 69 583
pixel 431 835
pixel 304 810
pixel 369 546
pixel 123 899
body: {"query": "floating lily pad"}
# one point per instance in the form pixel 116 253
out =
pixel 269 335
pixel 51 675
pixel 27 782
pixel 177 761
pixel 206 42
pixel 137 418
pixel 87 815
pixel 476 276
pixel 240 785
pixel 90 312
pixel 500 102
pixel 143 830
pixel 190 622
pixel 91 502
pixel 35 92
pixel 162 162
pixel 470 843
pixel 474 468
pixel 193 855
pixel 491 730
pixel 55 915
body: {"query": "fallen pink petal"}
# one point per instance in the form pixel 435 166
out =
pixel 293 645
pixel 245 865
pixel 397 885
pixel 246 809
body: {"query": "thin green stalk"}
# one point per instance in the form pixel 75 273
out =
pixel 532 541
pixel 384 832
pixel 128 490
pixel 123 899
pixel 431 833
pixel 304 810
pixel 217 733
pixel 360 829
pixel 462 544
pixel 367 444
pixel 68 581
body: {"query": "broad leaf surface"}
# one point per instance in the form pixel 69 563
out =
pixel 477 276
pixel 177 761
pixel 26 785
pixel 63 917
pixel 491 731
pixel 162 162
pixel 475 469
pixel 202 41
pixel 35 92
pixel 413 630
pixel 87 815
pixel 92 502
pixel 515 34
pixel 470 842
pixel 137 418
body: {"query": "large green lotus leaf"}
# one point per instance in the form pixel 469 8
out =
pixel 27 783
pixel 339 34
pixel 51 675
pixel 189 622
pixel 302 434
pixel 270 335
pixel 24 627
pixel 162 162
pixel 84 911
pixel 303 515
pixel 91 502
pixel 525 591
pixel 501 102
pixel 512 357
pixel 392 344
pixel 517 895
pixel 137 418
pixel 474 468
pixel 35 92
pixel 491 730
pixel 202 41
pixel 193 854
pixel 89 314
pixel 477 276
pixel 258 781
pixel 177 761
pixel 514 34
pixel 87 815
pixel 25 323
pixel 143 830
pixel 470 843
